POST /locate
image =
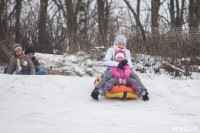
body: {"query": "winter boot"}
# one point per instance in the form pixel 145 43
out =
pixel 123 81
pixel 95 94
pixel 145 97
pixel 120 81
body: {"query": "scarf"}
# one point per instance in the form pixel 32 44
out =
pixel 20 62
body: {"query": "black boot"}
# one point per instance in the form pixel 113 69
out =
pixel 95 94
pixel 145 97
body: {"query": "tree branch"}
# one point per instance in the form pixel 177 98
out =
pixel 137 20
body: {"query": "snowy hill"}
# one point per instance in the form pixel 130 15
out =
pixel 91 65
pixel 62 104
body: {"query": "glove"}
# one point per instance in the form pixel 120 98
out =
pixel 120 66
pixel 124 62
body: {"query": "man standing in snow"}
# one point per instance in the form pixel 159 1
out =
pixel 119 43
pixel 20 64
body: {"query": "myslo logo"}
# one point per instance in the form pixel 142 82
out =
pixel 184 129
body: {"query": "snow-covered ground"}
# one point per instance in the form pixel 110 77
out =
pixel 62 104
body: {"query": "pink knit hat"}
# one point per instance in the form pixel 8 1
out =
pixel 119 53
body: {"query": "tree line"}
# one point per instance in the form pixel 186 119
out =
pixel 57 26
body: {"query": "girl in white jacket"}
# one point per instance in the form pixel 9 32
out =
pixel 119 43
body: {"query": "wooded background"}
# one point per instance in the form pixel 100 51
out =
pixel 169 28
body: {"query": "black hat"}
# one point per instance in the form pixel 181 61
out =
pixel 29 50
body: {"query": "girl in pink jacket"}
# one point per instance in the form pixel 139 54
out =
pixel 121 76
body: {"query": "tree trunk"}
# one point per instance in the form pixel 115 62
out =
pixel 197 12
pixel 176 21
pixel 42 26
pixel 194 14
pixel 100 5
pixel 17 25
pixel 155 4
pixel 72 26
pixel 172 13
pixel 103 14
pixel 179 17
pixel 138 10
pixel 182 11
pixel 3 23
pixel 107 13
pixel 82 25
pixel 191 15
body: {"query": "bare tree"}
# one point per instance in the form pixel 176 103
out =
pixel 103 15
pixel 3 23
pixel 42 26
pixel 194 14
pixel 176 15
pixel 155 5
pixel 6 39
pixel 82 25
pixel 72 25
pixel 17 24
pixel 70 12
pixel 138 10
pixel 138 23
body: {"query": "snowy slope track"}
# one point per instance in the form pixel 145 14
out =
pixel 61 104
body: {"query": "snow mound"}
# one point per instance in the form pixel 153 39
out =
pixel 91 65
pixel 79 64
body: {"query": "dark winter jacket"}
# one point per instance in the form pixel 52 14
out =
pixel 35 61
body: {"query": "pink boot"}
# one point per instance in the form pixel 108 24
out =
pixel 120 81
pixel 124 81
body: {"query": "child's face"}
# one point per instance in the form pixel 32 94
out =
pixel 120 58
pixel 121 45
pixel 18 52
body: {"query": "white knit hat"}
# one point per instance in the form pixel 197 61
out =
pixel 119 55
pixel 18 48
pixel 120 39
